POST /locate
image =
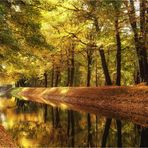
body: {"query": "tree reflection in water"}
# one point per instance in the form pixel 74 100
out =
pixel 25 122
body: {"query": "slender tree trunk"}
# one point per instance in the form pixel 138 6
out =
pixel 108 82
pixel 143 41
pixel 45 106
pixel 70 82
pixel 118 55
pixel 52 76
pixel 68 75
pixel 89 64
pixel 105 68
pixel 96 131
pixel 118 75
pixel 72 128
pixel 52 109
pixel 68 112
pixel 89 126
pixel 57 116
pixel 57 77
pixel 137 77
pixel 46 79
pixel 68 123
pixel 57 119
pixel 143 37
pixel 106 132
pixel 144 138
pixel 72 67
pixel 96 115
pixel 96 24
pixel 119 133
pixel 96 74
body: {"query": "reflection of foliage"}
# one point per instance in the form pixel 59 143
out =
pixel 134 139
pixel 43 134
pixel 26 106
pixel 30 130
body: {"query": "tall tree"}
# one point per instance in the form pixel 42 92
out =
pixel 117 6
pixel 140 40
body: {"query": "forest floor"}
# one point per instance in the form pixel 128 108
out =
pixel 6 140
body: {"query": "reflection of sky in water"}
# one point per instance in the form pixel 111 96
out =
pixel 2 117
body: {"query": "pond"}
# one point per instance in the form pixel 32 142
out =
pixel 39 125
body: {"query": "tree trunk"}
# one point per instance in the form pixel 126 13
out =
pixel 68 75
pixel 105 68
pixel 108 82
pixel 96 74
pixel 70 82
pixel 68 123
pixel 139 41
pixel 68 112
pixel 89 64
pixel 45 78
pixel 45 106
pixel 52 76
pixel 143 38
pixel 57 116
pixel 106 132
pixel 89 127
pixel 132 18
pixel 72 128
pixel 72 67
pixel 118 75
pixel 96 131
pixel 118 55
pixel 57 77
pixel 143 41
pixel 141 49
pixel 119 133
pixel 96 115
pixel 52 109
pixel 144 137
pixel 57 119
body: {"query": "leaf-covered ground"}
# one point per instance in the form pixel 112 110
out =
pixel 5 139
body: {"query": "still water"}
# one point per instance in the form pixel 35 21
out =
pixel 31 125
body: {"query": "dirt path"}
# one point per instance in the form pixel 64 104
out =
pixel 5 139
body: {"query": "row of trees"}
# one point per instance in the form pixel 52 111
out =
pixel 39 35
pixel 74 43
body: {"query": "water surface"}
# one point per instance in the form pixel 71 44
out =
pixel 31 125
